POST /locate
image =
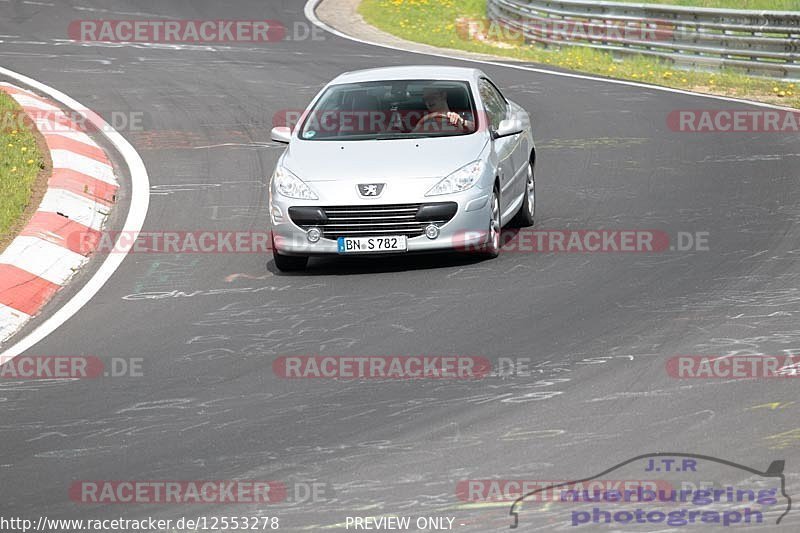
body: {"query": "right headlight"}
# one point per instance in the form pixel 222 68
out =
pixel 460 180
pixel 289 185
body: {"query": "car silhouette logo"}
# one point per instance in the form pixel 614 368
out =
pixel 371 190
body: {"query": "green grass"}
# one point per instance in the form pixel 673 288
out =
pixel 775 5
pixel 442 23
pixel 20 162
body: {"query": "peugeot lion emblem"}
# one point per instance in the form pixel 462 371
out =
pixel 371 190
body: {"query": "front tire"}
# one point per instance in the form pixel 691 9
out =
pixel 492 248
pixel 288 263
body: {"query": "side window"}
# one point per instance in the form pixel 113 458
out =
pixel 494 103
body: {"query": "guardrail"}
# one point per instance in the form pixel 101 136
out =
pixel 765 43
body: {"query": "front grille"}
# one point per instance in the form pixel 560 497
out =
pixel 372 221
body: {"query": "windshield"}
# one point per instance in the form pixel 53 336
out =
pixel 397 109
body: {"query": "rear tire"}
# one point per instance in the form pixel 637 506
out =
pixel 525 217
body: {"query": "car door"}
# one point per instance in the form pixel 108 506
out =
pixel 497 110
pixel 521 150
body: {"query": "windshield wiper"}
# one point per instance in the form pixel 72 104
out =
pixel 391 136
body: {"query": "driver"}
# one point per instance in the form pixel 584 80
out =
pixel 436 102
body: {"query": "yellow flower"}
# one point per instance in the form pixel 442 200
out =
pixel 30 161
pixel 13 169
pixel 24 149
pixel 14 132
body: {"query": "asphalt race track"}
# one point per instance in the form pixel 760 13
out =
pixel 597 328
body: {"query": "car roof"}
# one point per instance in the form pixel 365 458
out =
pixel 410 72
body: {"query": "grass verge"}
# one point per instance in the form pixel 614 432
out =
pixel 22 168
pixel 446 23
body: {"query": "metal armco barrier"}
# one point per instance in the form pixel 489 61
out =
pixel 764 43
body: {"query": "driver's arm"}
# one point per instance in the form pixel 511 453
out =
pixel 461 122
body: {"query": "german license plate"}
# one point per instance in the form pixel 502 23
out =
pixel 366 245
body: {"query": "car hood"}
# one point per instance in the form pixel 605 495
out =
pixel 359 161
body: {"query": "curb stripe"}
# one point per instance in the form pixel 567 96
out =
pixel 62 231
pixel 59 142
pixel 65 229
pixel 83 185
pixel 27 102
pixel 11 320
pixel 55 123
pixel 73 207
pixel 75 135
pixel 50 261
pixel 84 165
pixel 23 291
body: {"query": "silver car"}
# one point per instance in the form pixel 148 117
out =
pixel 401 160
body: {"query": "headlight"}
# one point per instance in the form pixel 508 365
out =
pixel 291 186
pixel 460 180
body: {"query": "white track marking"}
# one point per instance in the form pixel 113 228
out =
pixel 310 13
pixel 140 200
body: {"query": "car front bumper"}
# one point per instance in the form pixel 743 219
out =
pixel 466 231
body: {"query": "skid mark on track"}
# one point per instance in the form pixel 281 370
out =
pixel 784 440
pixel 532 434
pixel 173 270
pixel 242 275
pixel 772 406
pixel 594 142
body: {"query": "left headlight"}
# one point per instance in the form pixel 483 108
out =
pixel 460 180
pixel 289 185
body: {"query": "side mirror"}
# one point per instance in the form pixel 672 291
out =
pixel 281 134
pixel 507 127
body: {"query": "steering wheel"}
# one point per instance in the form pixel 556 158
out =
pixel 431 116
